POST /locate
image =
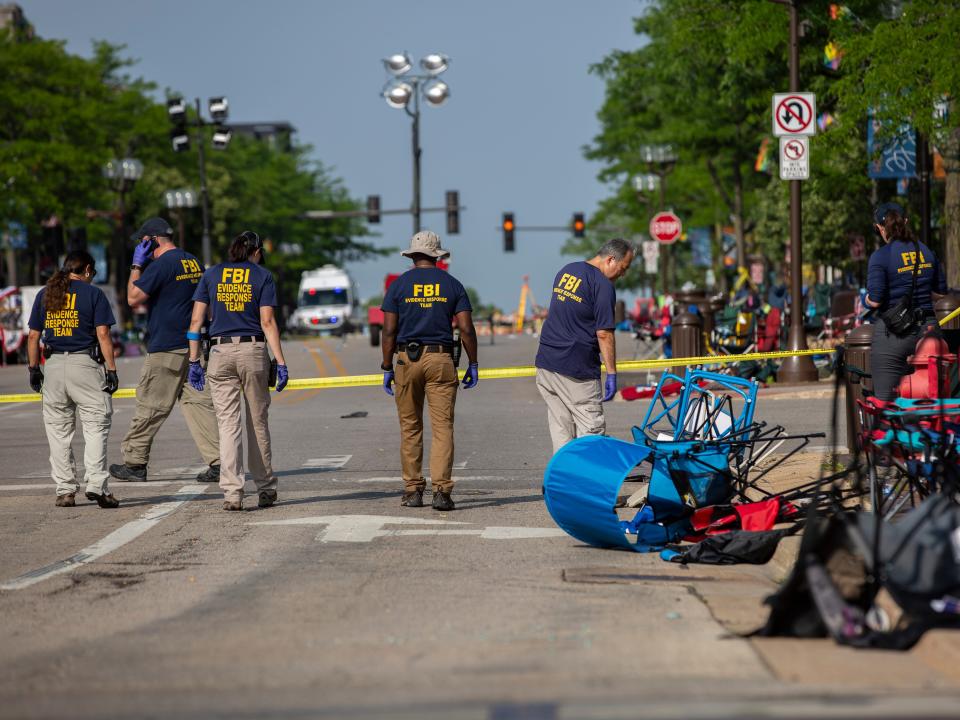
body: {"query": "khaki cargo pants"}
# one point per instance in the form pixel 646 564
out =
pixel 433 377
pixel 238 375
pixel 163 381
pixel 73 385
pixel 574 406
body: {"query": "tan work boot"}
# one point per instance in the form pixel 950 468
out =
pixel 233 505
pixel 66 500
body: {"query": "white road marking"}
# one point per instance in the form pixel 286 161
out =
pixel 462 465
pixel 10 406
pixel 118 538
pixel 388 479
pixel 364 528
pixel 51 485
pixel 333 462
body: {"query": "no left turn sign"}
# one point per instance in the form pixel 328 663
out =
pixel 794 114
pixel 795 158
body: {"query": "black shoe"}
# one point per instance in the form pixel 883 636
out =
pixel 107 500
pixel 267 498
pixel 211 474
pixel 412 499
pixel 129 473
pixel 442 501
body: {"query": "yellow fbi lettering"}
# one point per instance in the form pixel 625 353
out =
pixel 62 323
pixel 426 290
pixel 191 270
pixel 909 259
pixel 567 287
pixel 234 289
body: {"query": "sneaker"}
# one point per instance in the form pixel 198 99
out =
pixel 442 501
pixel 267 498
pixel 412 499
pixel 129 473
pixel 233 505
pixel 106 500
pixel 211 474
pixel 66 500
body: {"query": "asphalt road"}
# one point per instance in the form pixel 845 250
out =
pixel 337 602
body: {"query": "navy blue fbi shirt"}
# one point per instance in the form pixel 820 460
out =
pixel 235 293
pixel 425 300
pixel 170 281
pixel 581 303
pixel 890 274
pixel 74 327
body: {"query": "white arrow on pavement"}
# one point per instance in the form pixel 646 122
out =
pixel 364 528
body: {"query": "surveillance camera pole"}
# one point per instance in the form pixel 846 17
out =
pixel 204 200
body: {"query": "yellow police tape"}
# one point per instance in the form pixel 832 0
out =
pixel 343 381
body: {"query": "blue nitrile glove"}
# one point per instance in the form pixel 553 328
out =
pixel 282 377
pixel 610 387
pixel 471 377
pixel 196 375
pixel 143 252
pixel 388 382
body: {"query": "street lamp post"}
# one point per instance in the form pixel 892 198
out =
pixel 645 185
pixel 180 139
pixel 660 160
pixel 123 175
pixel 404 88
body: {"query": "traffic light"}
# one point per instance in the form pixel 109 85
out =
pixel 578 225
pixel 453 212
pixel 508 228
pixel 373 209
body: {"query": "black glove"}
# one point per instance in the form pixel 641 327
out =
pixel 112 383
pixel 36 378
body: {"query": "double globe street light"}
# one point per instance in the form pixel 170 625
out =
pixel 404 90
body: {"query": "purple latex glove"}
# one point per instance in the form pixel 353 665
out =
pixel 143 253
pixel 282 377
pixel 610 387
pixel 196 375
pixel 388 382
pixel 471 377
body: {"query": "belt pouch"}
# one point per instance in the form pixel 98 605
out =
pixel 414 351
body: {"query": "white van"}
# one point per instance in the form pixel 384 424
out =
pixel 326 301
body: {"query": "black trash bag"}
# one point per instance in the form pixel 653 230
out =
pixel 732 548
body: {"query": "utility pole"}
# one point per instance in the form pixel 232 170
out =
pixel 416 161
pixel 797 368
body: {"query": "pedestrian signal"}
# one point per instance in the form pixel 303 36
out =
pixel 373 209
pixel 453 212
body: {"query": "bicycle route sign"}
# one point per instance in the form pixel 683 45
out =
pixel 794 114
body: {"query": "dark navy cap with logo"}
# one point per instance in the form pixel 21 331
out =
pixel 152 227
pixel 880 214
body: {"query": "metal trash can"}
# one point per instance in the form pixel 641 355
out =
pixel 856 346
pixel 686 337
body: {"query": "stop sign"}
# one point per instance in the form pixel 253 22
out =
pixel 665 227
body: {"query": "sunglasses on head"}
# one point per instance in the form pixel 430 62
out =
pixel 252 240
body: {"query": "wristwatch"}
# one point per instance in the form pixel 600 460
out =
pixel 385 367
pixel 136 267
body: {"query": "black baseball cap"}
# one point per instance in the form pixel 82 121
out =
pixel 880 214
pixel 153 226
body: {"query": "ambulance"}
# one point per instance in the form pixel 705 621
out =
pixel 326 302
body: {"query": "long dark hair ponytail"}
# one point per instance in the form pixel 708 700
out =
pixel 55 298
pixel 896 227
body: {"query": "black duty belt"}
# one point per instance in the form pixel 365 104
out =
pixel 429 348
pixel 243 339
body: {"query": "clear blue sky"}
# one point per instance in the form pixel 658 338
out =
pixel 509 139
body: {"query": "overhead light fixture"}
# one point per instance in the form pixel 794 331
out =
pixel 177 110
pixel 221 137
pixel 435 63
pixel 181 199
pixel 218 109
pixel 398 94
pixel 436 92
pixel 179 139
pixel 398 64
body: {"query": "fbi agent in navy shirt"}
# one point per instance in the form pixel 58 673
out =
pixel 578 332
pixel 418 311
pixel 164 278
pixel 241 295
pixel 73 317
pixel 889 278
